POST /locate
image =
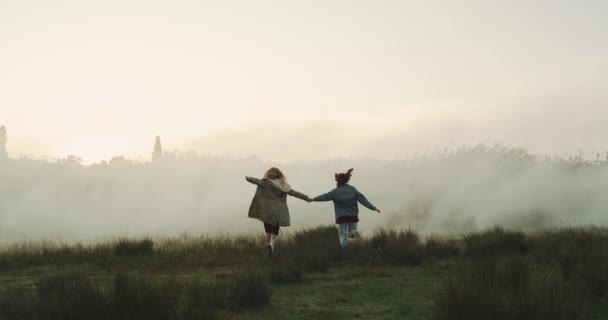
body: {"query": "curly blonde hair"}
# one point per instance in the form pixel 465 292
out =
pixel 274 173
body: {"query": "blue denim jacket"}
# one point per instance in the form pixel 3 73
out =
pixel 345 200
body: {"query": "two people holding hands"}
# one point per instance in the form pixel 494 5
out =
pixel 269 204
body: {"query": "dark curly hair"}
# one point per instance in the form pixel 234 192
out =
pixel 343 178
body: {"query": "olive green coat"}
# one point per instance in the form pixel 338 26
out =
pixel 269 203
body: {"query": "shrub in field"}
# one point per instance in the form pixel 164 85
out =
pixel 360 252
pixel 550 297
pixel 32 254
pixel 510 289
pixel 285 268
pixel 465 303
pixel 403 247
pixel 315 249
pixel 495 241
pixel 208 251
pixel 572 248
pixel 132 296
pixel 439 248
pixel 312 250
pixel 249 290
pixel 65 296
pixel 286 272
pixel 18 304
pixel 70 296
pixel 595 279
pixel 204 300
pixel 138 297
pixel 132 247
pixel 580 253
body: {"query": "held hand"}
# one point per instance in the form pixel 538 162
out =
pixel 309 200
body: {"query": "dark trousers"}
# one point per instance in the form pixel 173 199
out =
pixel 274 229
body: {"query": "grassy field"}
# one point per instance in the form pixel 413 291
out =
pixel 493 274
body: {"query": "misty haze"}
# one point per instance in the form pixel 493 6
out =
pixel 453 191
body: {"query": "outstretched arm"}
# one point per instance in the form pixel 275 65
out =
pixel 324 197
pixel 363 200
pixel 254 180
pixel 299 195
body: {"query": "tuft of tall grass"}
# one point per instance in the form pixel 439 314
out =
pixel 403 247
pixel 249 290
pixel 129 295
pixel 510 289
pixel 133 247
pixel 45 253
pixel 71 295
pixel 18 303
pixel 204 300
pixel 441 248
pixel 502 274
pixel 186 252
pixel 139 297
pixel 580 253
pixel 494 242
pixel 208 251
pixel 286 268
pixel 316 249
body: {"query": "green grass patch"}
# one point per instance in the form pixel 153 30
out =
pixel 495 273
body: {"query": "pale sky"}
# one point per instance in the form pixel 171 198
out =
pixel 302 80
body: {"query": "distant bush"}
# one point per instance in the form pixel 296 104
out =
pixel 129 247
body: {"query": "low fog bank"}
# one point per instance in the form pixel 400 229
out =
pixel 453 191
